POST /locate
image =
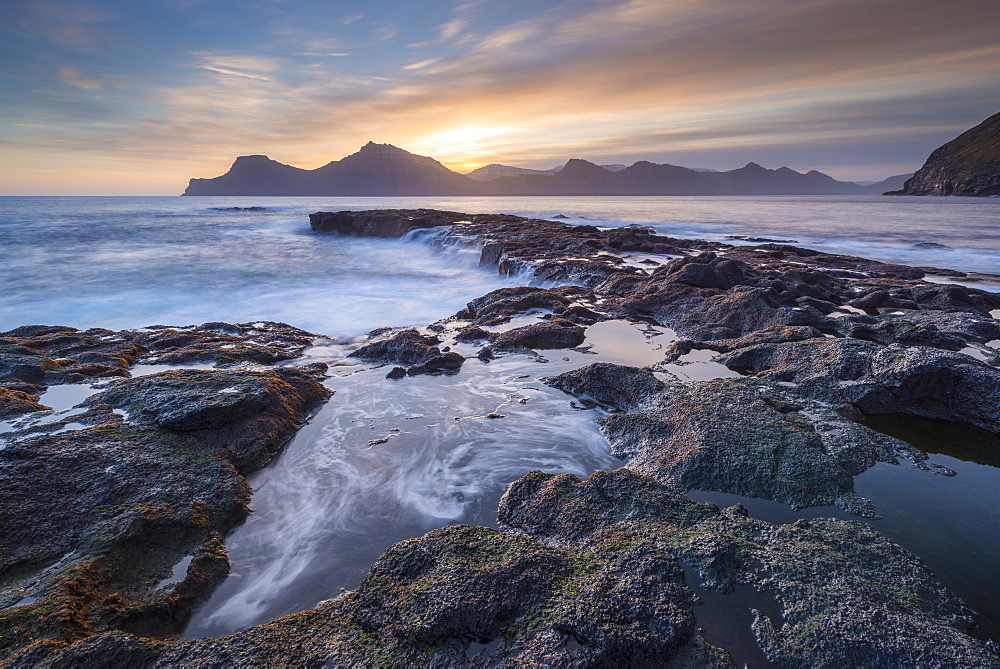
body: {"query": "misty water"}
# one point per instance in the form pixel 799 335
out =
pixel 384 461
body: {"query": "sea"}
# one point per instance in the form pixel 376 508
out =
pixel 387 461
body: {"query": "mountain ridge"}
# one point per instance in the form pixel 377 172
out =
pixel 387 170
pixel 967 165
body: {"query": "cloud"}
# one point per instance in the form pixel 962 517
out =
pixel 420 65
pixel 80 24
pixel 452 28
pixel 245 66
pixel 610 80
pixel 74 76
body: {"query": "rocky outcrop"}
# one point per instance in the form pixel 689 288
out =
pixel 224 344
pixel 921 380
pixel 35 356
pixel 418 352
pixel 380 223
pixel 465 596
pixel 602 571
pixel 147 480
pixel 740 436
pixel 967 165
pixel 846 594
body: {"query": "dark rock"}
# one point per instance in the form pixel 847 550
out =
pixel 910 379
pixel 542 335
pixel 440 363
pixel 932 383
pixel 563 509
pixel 954 298
pixel 96 517
pixel 17 402
pixel 771 335
pixel 185 400
pixel 396 373
pixel 407 347
pixel 34 356
pixel 394 223
pixel 828 577
pixel 224 344
pixel 411 348
pixel 619 386
pixel 472 333
pixel 743 437
pixel 619 598
pixel 500 305
pixel 900 331
pixel 967 165
pixel 706 271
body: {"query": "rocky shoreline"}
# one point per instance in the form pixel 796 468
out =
pixel 106 501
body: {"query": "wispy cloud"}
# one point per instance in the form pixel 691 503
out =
pixel 614 80
pixel 81 24
pixel 74 76
pixel 422 64
pixel 247 67
pixel 452 28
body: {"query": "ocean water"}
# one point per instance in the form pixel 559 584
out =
pixel 384 461
pixel 137 261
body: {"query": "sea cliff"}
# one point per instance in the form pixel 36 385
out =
pixel 967 165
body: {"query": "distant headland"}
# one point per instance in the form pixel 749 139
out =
pixel 386 170
pixel 967 165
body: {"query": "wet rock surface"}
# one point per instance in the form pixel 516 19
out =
pixel 222 343
pixel 418 352
pixel 95 517
pixel 35 356
pixel 614 600
pixel 847 595
pixel 740 436
pixel 584 572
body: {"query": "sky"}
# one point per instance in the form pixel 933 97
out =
pixel 135 97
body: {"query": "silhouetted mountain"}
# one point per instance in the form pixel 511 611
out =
pixel 496 171
pixel 375 170
pixel 967 165
pixel 889 183
pixel 752 179
pixel 385 170
pixel 255 175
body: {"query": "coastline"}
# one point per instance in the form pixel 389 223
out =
pixel 822 340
